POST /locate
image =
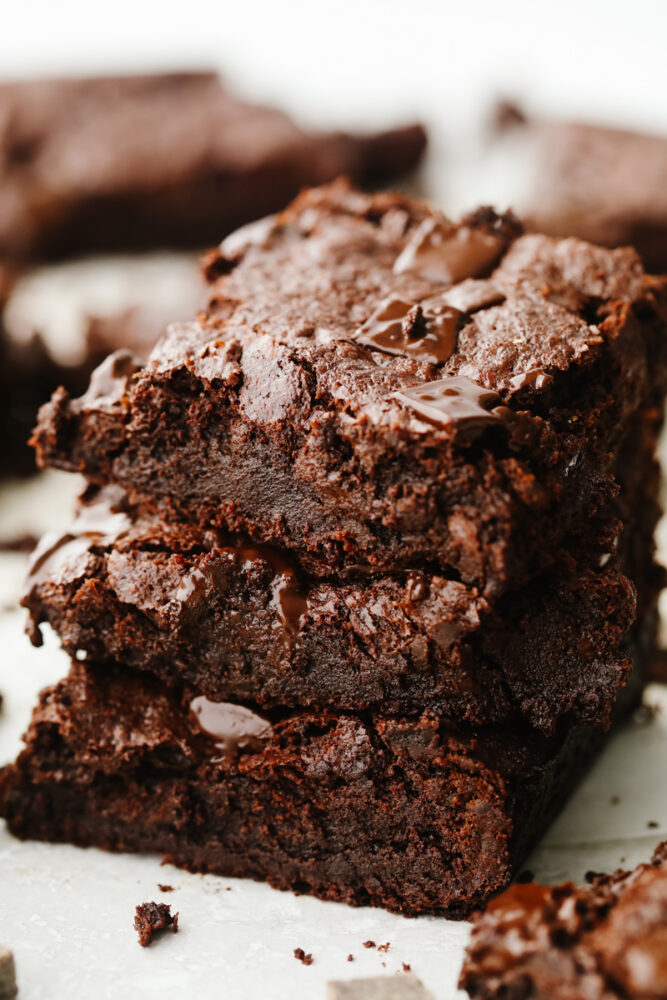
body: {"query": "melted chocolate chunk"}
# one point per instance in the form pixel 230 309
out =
pixel 457 401
pixel 289 599
pixel 234 728
pixel 426 331
pixel 473 294
pixel 441 251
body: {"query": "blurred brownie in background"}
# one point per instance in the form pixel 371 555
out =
pixel 171 160
pixel 604 185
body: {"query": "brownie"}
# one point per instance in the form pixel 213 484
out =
pixel 240 621
pixel 391 391
pixel 604 941
pixel 573 178
pixel 414 815
pixel 166 160
pixel 604 185
pixel 62 320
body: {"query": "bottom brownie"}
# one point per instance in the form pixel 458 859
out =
pixel 413 815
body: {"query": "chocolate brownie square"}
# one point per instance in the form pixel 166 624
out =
pixel 374 386
pixel 414 815
pixel 165 160
pixel 604 185
pixel 58 322
pixel 575 178
pixel 242 621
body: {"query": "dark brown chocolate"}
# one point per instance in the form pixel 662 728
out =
pixel 426 331
pixel 233 727
pixel 458 403
pixel 442 252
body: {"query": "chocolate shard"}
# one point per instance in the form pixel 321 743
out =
pixel 403 987
pixel 439 250
pixel 455 402
pixel 425 331
pixel 232 727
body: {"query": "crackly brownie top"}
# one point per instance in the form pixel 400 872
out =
pixel 605 941
pixel 347 300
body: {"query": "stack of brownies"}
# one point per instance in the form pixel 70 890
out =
pixel 364 566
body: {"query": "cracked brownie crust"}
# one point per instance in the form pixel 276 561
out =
pixel 294 379
pixel 242 621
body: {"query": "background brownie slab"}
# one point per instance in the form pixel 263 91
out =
pixel 604 185
pixel 280 384
pixel 412 816
pixel 564 943
pixel 170 160
pixel 238 621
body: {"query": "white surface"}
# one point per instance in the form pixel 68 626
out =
pixel 67 913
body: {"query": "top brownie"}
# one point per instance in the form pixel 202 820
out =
pixel 375 387
pixel 166 160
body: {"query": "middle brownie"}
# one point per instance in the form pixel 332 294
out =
pixel 236 620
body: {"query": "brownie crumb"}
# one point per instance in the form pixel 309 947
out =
pixel 507 115
pixel 350 958
pixel 384 947
pixel 406 967
pixel 369 944
pixel 525 876
pixel 614 800
pixel 152 917
pixel 165 888
pixel 653 824
pixel 301 956
pixel 7 974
